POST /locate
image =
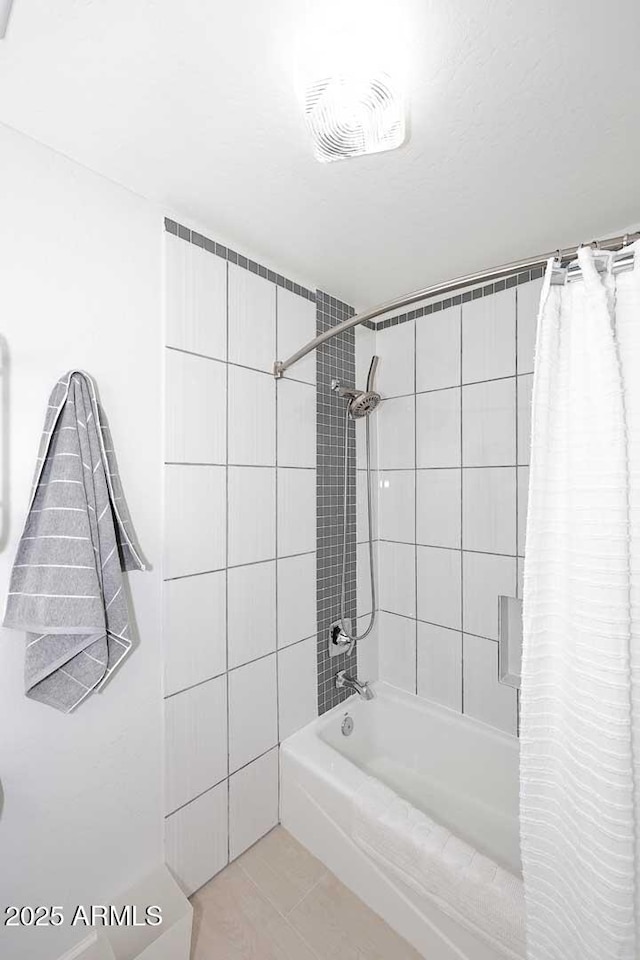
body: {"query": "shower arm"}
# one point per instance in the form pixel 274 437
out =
pixel 448 286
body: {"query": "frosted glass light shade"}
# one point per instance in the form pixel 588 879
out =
pixel 350 115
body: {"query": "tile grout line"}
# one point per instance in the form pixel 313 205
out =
pixel 279 912
pixel 462 698
pixel 441 626
pixel 456 466
pixel 238 566
pixel 439 546
pixel 187 803
pixel 277 512
pixel 415 487
pixel 238 666
pixel 311 889
pixel 237 466
pixel 226 577
pixel 516 472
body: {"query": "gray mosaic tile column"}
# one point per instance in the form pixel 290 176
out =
pixel 335 359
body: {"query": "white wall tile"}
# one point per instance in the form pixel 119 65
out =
pixel 362 517
pixel 296 326
pixel 296 424
pixel 395 374
pixel 489 509
pixel 252 418
pixel 178 331
pixel 196 839
pixel 363 577
pixel 525 391
pixel 194 629
pixel 396 436
pixel 440 665
pixel 396 505
pixel 485 698
pixel 252 319
pixel 296 511
pixel 252 612
pixel 195 741
pixel 253 802
pixel 486 578
pixel 397 578
pixel 438 428
pixel 528 303
pixel 489 337
pixel 297 616
pixel 365 350
pixel 209 273
pixel 253 711
pixel 489 424
pixel 297 686
pixel 367 650
pixel 252 520
pixel 439 599
pixel 195 526
pixel 196 299
pixel 397 651
pixel 439 507
pixel 438 350
pixel 523 503
pixel 520 577
pixel 195 409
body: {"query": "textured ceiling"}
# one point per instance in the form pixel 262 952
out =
pixel 524 124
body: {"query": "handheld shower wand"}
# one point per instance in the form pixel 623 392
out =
pixel 360 404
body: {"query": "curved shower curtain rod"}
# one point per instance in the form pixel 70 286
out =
pixel 448 286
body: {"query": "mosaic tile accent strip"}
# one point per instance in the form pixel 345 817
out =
pixel 226 253
pixel 334 359
pixel 506 283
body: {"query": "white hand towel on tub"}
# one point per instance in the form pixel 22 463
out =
pixel 466 885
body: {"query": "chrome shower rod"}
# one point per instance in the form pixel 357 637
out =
pixel 448 286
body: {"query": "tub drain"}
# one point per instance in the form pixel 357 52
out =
pixel 347 726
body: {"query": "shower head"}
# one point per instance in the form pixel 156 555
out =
pixel 361 402
pixel 364 403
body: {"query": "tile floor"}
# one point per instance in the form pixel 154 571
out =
pixel 277 902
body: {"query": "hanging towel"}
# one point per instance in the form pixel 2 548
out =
pixel 66 587
pixel 467 886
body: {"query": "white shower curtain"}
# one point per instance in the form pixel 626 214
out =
pixel 580 697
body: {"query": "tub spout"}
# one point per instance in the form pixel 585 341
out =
pixel 352 683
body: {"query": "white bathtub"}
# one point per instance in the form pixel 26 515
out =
pixel 460 772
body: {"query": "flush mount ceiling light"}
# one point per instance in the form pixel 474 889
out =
pixel 350 115
pixel 5 10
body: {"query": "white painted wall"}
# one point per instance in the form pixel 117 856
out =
pixel 80 286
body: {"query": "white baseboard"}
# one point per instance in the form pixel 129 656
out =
pixel 170 940
pixel 93 947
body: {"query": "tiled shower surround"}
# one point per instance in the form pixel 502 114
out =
pixel 253 522
pixel 452 458
pixel 239 568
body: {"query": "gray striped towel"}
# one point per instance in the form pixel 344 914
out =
pixel 67 588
